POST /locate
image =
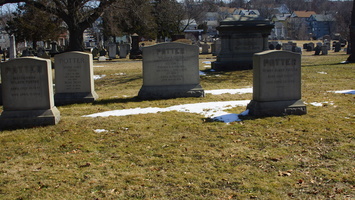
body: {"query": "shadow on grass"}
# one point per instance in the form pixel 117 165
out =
pixel 325 64
pixel 117 100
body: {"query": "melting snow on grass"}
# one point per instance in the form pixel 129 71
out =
pixel 213 110
pixel 344 91
pixel 321 103
pixel 96 77
pixel 100 130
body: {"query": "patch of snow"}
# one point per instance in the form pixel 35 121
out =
pixel 100 130
pixel 344 91
pixel 206 62
pixel 322 72
pixel 202 73
pixel 213 110
pixel 120 74
pixel 230 91
pixel 98 76
pixel 321 103
pixel 207 66
pixel 98 66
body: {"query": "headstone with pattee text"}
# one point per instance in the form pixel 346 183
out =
pixel 27 91
pixel 170 70
pixel 276 84
pixel 74 81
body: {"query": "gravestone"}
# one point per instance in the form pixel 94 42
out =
pixel 276 84
pixel 286 46
pixel 310 46
pixel 25 53
pixel 241 37
pixel 324 50
pixel 12 49
pixel 317 50
pixel 217 47
pixel 278 47
pixel 271 46
pixel 95 52
pixel 27 94
pixel 337 47
pixel 54 49
pixel 124 50
pixel 112 48
pixel 135 52
pixel 170 70
pixel 74 81
pixel 102 52
pixel 205 48
pixel 298 50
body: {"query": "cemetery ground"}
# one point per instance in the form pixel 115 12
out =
pixel 181 155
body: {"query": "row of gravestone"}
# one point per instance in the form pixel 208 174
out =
pixel 27 88
pixel 121 50
pixel 170 70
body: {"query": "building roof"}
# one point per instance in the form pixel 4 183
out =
pixel 322 18
pixel 246 12
pixel 303 14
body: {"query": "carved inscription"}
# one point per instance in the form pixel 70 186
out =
pixel 72 68
pixel 24 80
pixel 171 66
pixel 281 77
pixel 247 44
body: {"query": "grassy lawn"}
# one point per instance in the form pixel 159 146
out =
pixel 176 155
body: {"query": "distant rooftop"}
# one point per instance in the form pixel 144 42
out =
pixel 303 14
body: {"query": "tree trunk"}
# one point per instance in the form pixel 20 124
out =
pixel 76 38
pixel 351 58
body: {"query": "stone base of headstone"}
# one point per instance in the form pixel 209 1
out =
pixel 29 118
pixel 171 91
pixel 231 66
pixel 276 108
pixel 72 98
pixel 135 55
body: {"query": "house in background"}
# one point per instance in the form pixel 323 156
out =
pixel 321 25
pixel 298 25
pixel 280 29
pixel 241 11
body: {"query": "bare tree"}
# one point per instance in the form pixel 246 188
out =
pixel 77 14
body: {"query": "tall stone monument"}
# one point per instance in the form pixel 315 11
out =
pixel 135 52
pixel 12 52
pixel 27 90
pixel 241 37
pixel 170 70
pixel 74 81
pixel 277 84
